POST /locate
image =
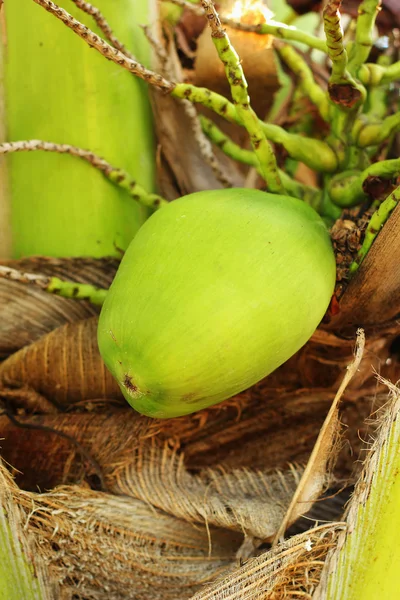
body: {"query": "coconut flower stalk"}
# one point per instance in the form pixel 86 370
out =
pixel 61 206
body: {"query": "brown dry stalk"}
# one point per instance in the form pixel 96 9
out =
pixel 103 25
pixel 204 144
pixel 64 366
pixel 325 451
pixel 32 145
pixel 290 570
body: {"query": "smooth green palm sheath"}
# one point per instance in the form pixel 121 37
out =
pixel 59 287
pixel 115 175
pixel 314 153
pixel 375 225
pixel 238 85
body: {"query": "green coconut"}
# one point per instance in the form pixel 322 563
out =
pixel 215 292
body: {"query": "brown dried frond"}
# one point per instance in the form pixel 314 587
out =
pixel 291 570
pixel 251 501
pixel 64 366
pixel 27 313
pixel 102 546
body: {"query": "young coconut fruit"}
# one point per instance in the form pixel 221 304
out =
pixel 215 291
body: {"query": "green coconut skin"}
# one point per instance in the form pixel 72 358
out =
pixel 214 293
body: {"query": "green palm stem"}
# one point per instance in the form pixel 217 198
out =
pixel 346 94
pixel 374 74
pixel 294 188
pixel 334 40
pixel 374 134
pixel 117 176
pixel 54 285
pixel 281 31
pixel 314 153
pixel 238 86
pixel 360 49
pixel 375 225
pixel 346 189
pixel 307 83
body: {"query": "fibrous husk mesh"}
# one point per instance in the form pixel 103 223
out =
pixel 290 570
pixel 251 501
pixel 28 312
pixel 100 546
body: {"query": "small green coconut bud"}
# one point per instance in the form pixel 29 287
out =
pixel 215 291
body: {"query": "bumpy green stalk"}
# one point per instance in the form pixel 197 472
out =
pixel 346 189
pixel 367 13
pixel 293 188
pixel 281 31
pixel 117 176
pixel 54 285
pixel 314 153
pixel 61 206
pixel 373 74
pixel 238 86
pixel 391 73
pixel 374 134
pixel 343 89
pixel 308 85
pixel 375 225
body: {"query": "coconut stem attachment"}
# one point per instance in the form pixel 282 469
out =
pixel 375 224
pixel 344 91
pixel 238 85
pixel 59 287
pixel 346 189
pixel 115 175
pixel 376 133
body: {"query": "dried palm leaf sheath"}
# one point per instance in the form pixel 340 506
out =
pixel 28 312
pixel 22 575
pixel 365 563
pixel 102 546
pixel 291 570
pixel 63 366
pixel 250 501
pixel 61 206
